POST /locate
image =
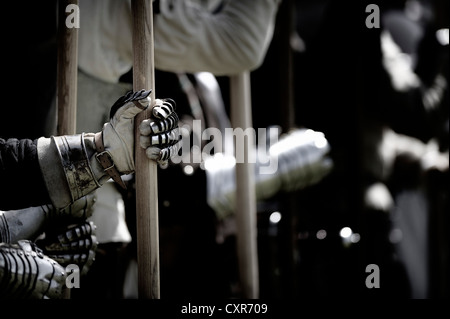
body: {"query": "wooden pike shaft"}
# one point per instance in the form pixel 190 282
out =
pixel 66 68
pixel 67 65
pixel 241 117
pixel 146 170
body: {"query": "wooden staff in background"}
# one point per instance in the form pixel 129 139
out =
pixel 146 171
pixel 247 245
pixel 288 224
pixel 67 65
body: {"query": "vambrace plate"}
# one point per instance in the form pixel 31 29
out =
pixel 299 159
pixel 29 223
pixel 19 224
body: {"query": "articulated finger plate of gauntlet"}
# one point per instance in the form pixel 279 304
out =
pixel 26 273
pixel 76 244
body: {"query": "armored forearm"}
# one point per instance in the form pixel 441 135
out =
pixel 30 222
pixel 298 160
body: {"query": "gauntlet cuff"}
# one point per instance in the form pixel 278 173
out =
pixel 68 167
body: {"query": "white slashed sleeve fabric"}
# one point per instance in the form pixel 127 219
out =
pixel 222 37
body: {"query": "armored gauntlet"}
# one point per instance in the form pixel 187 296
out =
pixel 75 165
pixel 75 244
pixel 299 159
pixel 26 273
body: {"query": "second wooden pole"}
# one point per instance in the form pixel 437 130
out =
pixel 247 246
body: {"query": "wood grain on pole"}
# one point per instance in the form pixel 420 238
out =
pixel 247 246
pixel 146 170
pixel 66 68
pixel 67 64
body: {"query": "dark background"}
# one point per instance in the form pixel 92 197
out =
pixel 333 82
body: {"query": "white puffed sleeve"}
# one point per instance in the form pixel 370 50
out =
pixel 193 38
pixel 221 37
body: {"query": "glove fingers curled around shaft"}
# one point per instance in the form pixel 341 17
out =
pixel 170 151
pixel 160 136
pixel 160 131
pixel 160 140
pixel 149 126
pixel 118 133
pixel 164 109
pixel 162 155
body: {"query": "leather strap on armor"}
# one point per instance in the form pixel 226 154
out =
pixel 105 160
